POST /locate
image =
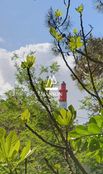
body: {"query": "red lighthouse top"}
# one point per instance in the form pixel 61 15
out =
pixel 63 92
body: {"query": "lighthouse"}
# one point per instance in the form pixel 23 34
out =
pixel 63 95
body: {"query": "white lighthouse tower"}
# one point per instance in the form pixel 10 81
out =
pixel 63 95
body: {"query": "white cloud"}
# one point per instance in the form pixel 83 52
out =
pixel 6 71
pixel 44 56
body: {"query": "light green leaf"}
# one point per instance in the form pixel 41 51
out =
pixel 30 60
pixel 52 31
pixel 58 13
pixel 57 166
pixel 93 128
pixel 80 8
pixel 25 116
pixel 26 150
pixel 73 111
pixel 99 120
pixel 73 134
pixel 55 34
pixel 13 152
pixel 82 130
pixel 75 43
pixel 12 144
pixel 2 133
pixel 79 43
pixel 49 83
pixel 75 31
pixel 64 117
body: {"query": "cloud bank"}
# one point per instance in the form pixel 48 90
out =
pixel 43 54
pixel 45 57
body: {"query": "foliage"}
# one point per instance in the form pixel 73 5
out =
pixel 95 50
pixel 30 60
pixel 75 43
pixel 11 154
pixel 61 146
pixel 88 71
pixel 87 140
pixel 80 9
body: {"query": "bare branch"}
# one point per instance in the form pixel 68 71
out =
pixel 67 12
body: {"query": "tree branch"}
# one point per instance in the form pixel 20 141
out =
pixel 67 11
pixel 91 59
pixel 42 139
pixel 86 53
pixel 50 166
pixel 55 124
pixel 60 49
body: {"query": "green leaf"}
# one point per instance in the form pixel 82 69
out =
pixel 80 8
pixel 79 43
pixel 24 65
pixel 9 147
pixel 73 111
pixel 93 128
pixel 58 13
pixel 25 116
pixel 57 166
pixel 73 134
pixel 2 133
pixel 72 43
pixel 82 130
pixel 55 34
pixel 84 146
pixel 12 144
pixel 64 117
pixel 52 31
pixel 54 67
pixel 75 31
pixel 30 60
pixel 26 150
pixel 99 120
pixel 94 145
pixel 2 144
pixel 75 43
pixel 49 83
pixel 99 156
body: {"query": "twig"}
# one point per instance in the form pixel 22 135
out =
pixel 55 124
pixel 41 138
pixel 91 75
pixel 91 59
pixel 93 95
pixel 67 11
pixel 25 163
pixel 50 166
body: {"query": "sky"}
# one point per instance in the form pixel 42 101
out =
pixel 23 27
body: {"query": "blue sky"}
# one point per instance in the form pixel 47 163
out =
pixel 23 27
pixel 24 21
